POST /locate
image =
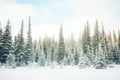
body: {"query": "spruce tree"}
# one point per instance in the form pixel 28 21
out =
pixel 20 48
pixel 104 44
pixel 118 47
pixel 52 51
pixel 100 62
pixel 0 42
pixel 95 42
pixel 7 47
pixel 115 50
pixel 86 42
pixel 61 47
pixel 29 45
pixel 110 45
pixel 42 58
pixel 76 57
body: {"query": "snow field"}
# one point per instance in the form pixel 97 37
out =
pixel 57 73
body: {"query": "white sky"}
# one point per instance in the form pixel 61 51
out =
pixel 47 15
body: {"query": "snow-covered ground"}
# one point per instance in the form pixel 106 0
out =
pixel 66 73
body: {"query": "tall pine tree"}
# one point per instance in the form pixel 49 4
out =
pixel 61 47
pixel 7 47
pixel 86 42
pixel 29 45
pixel 0 42
pixel 95 41
pixel 20 48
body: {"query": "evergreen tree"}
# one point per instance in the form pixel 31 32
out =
pixel 7 47
pixel 110 45
pixel 118 47
pixel 47 49
pixel 52 51
pixel 83 60
pixel 29 47
pixel 86 42
pixel 95 41
pixel 104 44
pixel 61 47
pixel 42 58
pixel 20 48
pixel 0 42
pixel 100 62
pixel 36 51
pixel 115 50
pixel 10 61
pixel 36 57
pixel 76 57
pixel 73 50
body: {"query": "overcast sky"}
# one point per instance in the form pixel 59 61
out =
pixel 47 15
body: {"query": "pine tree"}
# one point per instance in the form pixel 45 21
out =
pixel 47 49
pixel 104 44
pixel 72 51
pixel 52 51
pixel 36 57
pixel 7 47
pixel 0 42
pixel 115 51
pixel 20 48
pixel 29 45
pixel 110 45
pixel 76 57
pixel 10 61
pixel 95 41
pixel 83 60
pixel 118 47
pixel 42 58
pixel 100 62
pixel 61 47
pixel 36 50
pixel 86 42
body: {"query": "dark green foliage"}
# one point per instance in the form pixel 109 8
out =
pixel 29 45
pixel 95 41
pixel 20 48
pixel 86 42
pixel 6 40
pixel 0 43
pixel 76 59
pixel 36 57
pixel 61 48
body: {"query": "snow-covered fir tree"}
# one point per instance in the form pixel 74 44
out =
pixel 20 48
pixel 115 50
pixel 100 61
pixel 10 61
pixel 7 47
pixel 83 60
pixel 86 43
pixel 76 57
pixel 118 47
pixel 95 40
pixel 29 45
pixel 61 47
pixel 110 45
pixel 0 43
pixel 52 52
pixel 42 58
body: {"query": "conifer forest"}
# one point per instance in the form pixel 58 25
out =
pixel 97 50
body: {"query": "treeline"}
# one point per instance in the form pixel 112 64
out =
pixel 98 50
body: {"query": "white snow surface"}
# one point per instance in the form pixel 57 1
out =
pixel 57 73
